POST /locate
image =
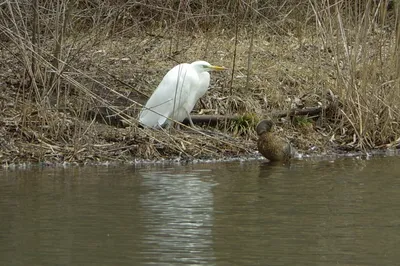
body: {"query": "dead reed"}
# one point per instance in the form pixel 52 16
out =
pixel 363 38
pixel 67 59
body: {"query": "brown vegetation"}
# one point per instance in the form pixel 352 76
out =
pixel 68 67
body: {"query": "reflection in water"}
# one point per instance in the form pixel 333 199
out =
pixel 341 212
pixel 177 214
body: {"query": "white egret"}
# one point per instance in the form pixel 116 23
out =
pixel 177 94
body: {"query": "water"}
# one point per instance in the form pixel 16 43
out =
pixel 341 212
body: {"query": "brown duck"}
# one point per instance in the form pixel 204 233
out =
pixel 271 146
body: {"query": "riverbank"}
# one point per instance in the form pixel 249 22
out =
pixel 83 108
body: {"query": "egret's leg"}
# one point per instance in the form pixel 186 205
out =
pixel 190 120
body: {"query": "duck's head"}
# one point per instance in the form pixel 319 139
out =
pixel 264 126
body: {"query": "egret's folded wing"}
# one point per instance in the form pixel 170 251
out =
pixel 155 113
pixel 162 102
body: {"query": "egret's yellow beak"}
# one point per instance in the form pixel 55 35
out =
pixel 218 68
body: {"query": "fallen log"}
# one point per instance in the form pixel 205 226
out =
pixel 213 120
pixel 108 116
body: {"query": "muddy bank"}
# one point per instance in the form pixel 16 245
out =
pixel 89 115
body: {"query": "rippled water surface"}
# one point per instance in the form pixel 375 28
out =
pixel 342 212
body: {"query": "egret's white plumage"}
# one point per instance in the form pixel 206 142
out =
pixel 177 94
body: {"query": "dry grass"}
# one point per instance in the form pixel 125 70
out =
pixel 66 59
pixel 366 55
